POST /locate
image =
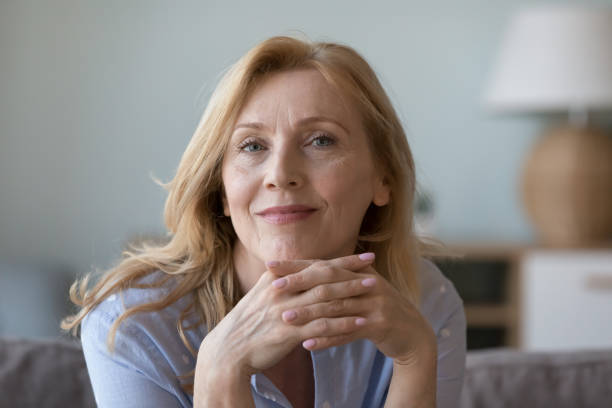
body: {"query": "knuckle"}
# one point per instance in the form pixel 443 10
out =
pixel 327 271
pixel 322 325
pixel 320 292
pixel 336 306
pixel 296 280
pixel 344 325
pixel 321 263
pixel 305 314
pixel 379 319
pixel 347 304
pixel 277 336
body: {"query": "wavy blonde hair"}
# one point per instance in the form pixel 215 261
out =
pixel 198 255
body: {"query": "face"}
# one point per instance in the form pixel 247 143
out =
pixel 298 173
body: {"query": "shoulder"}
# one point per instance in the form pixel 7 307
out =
pixel 164 319
pixel 144 339
pixel 118 302
pixel 439 297
pixel 148 358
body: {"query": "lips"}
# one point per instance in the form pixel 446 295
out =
pixel 286 214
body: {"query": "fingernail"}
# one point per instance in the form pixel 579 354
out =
pixel 289 315
pixel 369 282
pixel 272 264
pixel 309 343
pixel 280 283
pixel 368 256
pixel 360 321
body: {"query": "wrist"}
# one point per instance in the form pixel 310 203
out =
pixel 220 361
pixel 219 380
pixel 425 354
pixel 413 382
pixel 220 386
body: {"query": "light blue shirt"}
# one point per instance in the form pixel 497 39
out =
pixel 149 354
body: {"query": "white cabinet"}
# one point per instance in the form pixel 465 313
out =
pixel 566 299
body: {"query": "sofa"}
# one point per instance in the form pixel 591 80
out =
pixel 52 373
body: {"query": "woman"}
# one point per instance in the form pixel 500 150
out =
pixel 292 276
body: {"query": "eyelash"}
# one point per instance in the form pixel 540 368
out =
pixel 252 142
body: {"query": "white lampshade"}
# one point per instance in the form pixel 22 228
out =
pixel 554 58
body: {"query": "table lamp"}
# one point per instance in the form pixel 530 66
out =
pixel 559 59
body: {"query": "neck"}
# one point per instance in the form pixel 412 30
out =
pixel 248 267
pixel 289 371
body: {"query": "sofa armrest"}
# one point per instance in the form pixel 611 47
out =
pixel 43 373
pixel 513 378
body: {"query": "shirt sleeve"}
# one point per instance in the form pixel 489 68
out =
pixel 451 358
pixel 442 306
pixel 130 377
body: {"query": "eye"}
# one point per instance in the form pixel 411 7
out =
pixel 251 146
pixel 322 140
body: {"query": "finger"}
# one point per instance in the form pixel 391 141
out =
pixel 283 268
pixel 350 262
pixel 337 290
pixel 319 272
pixel 330 327
pixel 351 306
pixel 319 343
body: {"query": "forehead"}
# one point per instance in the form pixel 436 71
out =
pixel 297 94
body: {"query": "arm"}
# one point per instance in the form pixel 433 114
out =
pixel 414 385
pixel 214 391
pixel 435 333
pixel 254 336
pixel 436 380
pixel 123 379
pixel 223 388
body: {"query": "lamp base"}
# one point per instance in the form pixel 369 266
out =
pixel 567 187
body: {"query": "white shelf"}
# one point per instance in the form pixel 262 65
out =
pixel 566 299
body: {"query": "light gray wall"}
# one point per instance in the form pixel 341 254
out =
pixel 97 95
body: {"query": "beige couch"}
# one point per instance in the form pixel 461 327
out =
pixel 43 373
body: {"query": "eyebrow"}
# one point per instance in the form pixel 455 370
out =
pixel 305 121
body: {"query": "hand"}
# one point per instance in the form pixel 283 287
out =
pixel 253 336
pixel 383 315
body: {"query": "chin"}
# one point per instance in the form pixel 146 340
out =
pixel 286 250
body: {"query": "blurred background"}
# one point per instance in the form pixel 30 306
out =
pixel 98 97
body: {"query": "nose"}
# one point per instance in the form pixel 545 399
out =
pixel 285 168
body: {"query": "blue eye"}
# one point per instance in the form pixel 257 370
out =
pixel 322 141
pixel 251 146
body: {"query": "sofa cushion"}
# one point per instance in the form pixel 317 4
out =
pixel 43 373
pixel 52 373
pixel 511 378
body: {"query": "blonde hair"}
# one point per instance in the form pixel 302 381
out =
pixel 198 254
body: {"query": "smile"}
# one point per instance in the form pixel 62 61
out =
pixel 286 214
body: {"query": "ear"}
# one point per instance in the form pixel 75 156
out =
pixel 382 192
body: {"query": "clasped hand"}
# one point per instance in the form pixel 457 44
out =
pixel 319 304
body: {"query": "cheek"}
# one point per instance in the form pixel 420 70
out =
pixel 347 187
pixel 238 186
